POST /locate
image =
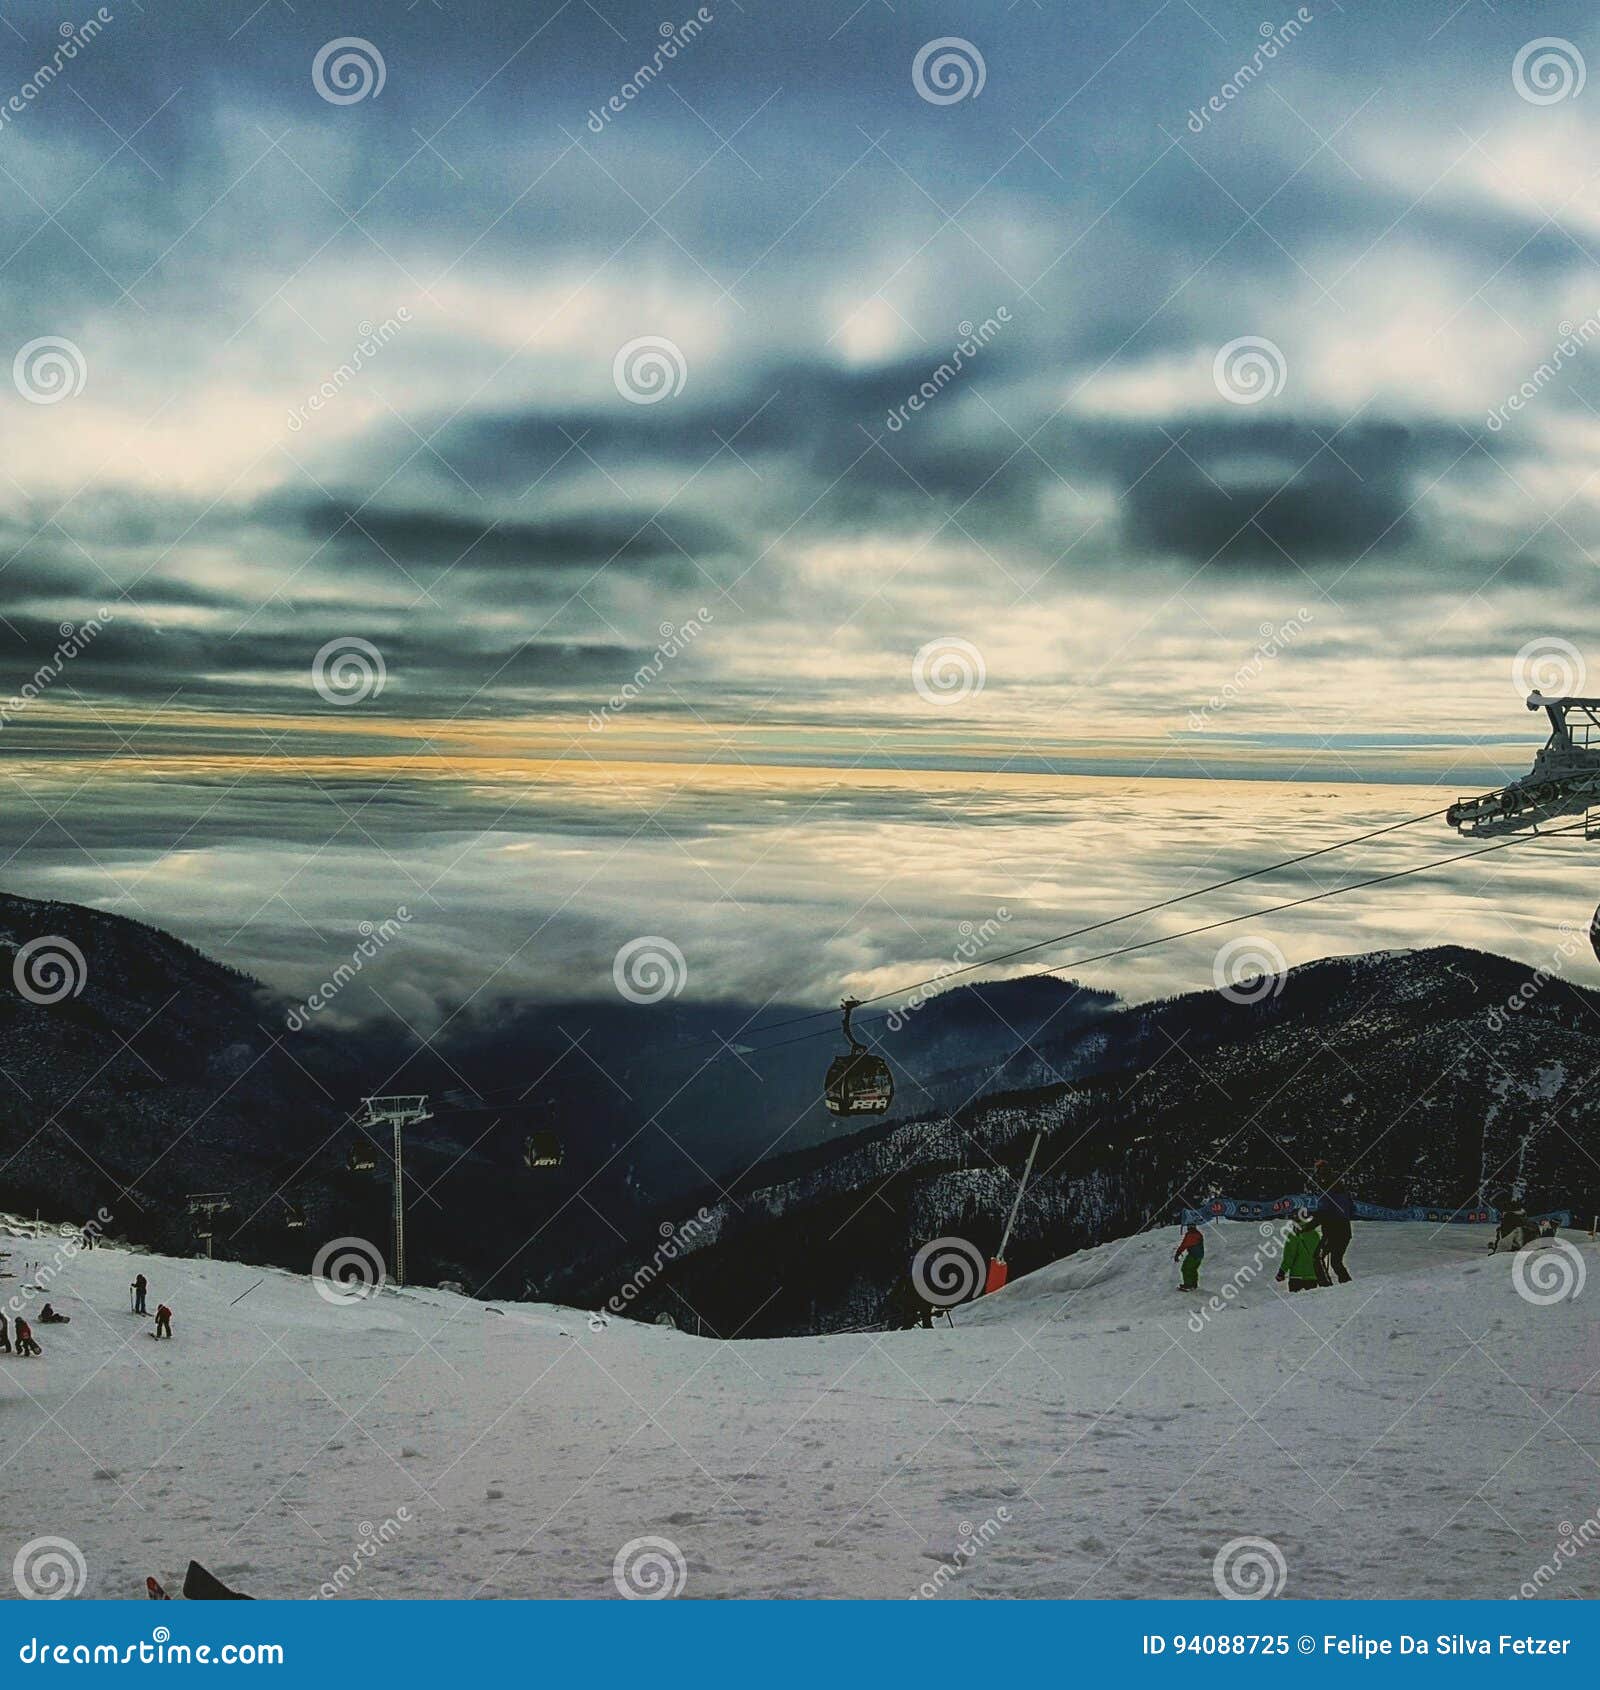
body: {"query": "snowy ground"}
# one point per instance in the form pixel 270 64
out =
pixel 1424 1431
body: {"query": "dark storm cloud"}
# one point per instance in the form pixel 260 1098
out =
pixel 442 539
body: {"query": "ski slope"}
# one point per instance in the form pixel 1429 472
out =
pixel 1423 1431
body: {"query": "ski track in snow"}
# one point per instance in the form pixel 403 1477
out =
pixel 1421 1432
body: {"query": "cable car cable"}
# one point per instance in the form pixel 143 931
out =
pixel 1078 932
pixel 1226 921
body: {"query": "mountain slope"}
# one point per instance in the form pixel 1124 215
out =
pixel 1409 1435
pixel 137 1071
pixel 1406 1070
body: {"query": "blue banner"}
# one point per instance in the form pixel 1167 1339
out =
pixel 796 1643
pixel 1268 1208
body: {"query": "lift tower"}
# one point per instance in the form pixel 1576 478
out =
pixel 400 1113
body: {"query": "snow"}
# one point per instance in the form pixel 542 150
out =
pixel 1423 1431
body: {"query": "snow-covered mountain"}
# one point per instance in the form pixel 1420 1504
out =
pixel 1421 1076
pixel 1086 1432
pixel 140 1072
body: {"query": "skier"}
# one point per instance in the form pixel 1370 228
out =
pixel 139 1288
pixel 163 1321
pixel 1299 1265
pixel 5 1336
pixel 1334 1213
pixel 1192 1249
pixel 25 1343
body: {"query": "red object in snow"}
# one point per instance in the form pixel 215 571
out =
pixel 996 1277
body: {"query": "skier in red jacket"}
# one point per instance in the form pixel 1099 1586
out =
pixel 1192 1250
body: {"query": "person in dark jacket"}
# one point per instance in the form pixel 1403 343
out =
pixel 1515 1229
pixel 1191 1251
pixel 163 1321
pixel 49 1317
pixel 5 1336
pixel 907 1307
pixel 140 1286
pixel 1335 1212
pixel 1299 1265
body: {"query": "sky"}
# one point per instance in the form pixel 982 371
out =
pixel 783 479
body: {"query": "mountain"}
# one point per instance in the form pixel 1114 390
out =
pixel 136 1074
pixel 1422 1076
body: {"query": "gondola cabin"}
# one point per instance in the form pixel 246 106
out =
pixel 543 1150
pixel 857 1083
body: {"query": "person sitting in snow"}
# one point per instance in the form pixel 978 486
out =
pixel 25 1344
pixel 1299 1264
pixel 49 1317
pixel 163 1321
pixel 1191 1251
pixel 1515 1228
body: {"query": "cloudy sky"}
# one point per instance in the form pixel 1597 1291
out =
pixel 785 478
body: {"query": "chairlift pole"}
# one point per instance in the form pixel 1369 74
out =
pixel 397 1268
pixel 399 1112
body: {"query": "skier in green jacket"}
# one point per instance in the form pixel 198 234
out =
pixel 1299 1265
